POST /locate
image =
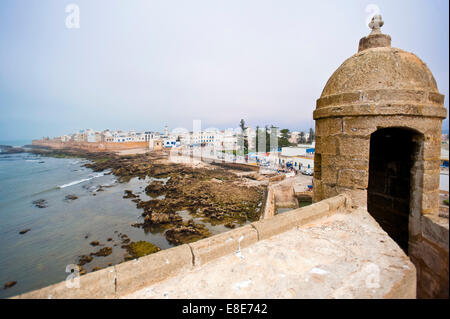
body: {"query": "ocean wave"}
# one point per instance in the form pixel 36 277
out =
pixel 91 176
pixel 43 191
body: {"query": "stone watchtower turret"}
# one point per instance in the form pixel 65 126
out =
pixel 378 137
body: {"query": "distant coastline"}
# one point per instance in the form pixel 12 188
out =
pixel 15 143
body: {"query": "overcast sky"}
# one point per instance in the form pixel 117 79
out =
pixel 145 64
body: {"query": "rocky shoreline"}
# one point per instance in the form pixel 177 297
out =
pixel 210 195
pixel 7 149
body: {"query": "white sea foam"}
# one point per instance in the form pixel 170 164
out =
pixel 92 176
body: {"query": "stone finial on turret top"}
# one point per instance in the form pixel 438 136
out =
pixel 376 23
pixel 375 39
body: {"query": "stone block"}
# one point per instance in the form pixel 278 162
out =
pixel 317 193
pixel 430 200
pixel 340 202
pixel 353 178
pixel 329 190
pixel 414 224
pixel 137 274
pixel 223 244
pixel 358 196
pixel 436 230
pixel 286 221
pixel 95 285
pixel 391 95
pixel 431 164
pixel 429 255
pixel 322 102
pixel 436 98
pixel 330 126
pixel 430 181
pixel 359 125
pixel 347 162
pixel 405 288
pixel 354 146
pixel 329 175
pixel 351 97
pixel 430 286
pixel 431 150
pixel 327 145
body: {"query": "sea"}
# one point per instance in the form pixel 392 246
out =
pixel 57 238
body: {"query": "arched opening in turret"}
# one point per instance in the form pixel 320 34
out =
pixel 394 167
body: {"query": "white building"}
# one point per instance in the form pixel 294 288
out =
pixel 300 158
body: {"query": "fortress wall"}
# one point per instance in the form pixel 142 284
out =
pixel 429 252
pixel 237 166
pixel 269 205
pixel 91 147
pixel 124 278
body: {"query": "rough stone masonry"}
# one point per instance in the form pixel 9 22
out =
pixel 378 127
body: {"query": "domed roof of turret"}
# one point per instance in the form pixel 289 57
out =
pixel 378 66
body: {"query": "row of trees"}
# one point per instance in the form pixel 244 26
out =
pixel 283 140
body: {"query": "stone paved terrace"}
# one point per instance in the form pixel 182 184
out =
pixel 346 255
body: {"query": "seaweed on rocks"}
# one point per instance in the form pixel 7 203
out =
pixel 140 249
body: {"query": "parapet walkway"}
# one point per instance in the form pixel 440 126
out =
pixel 325 250
pixel 346 255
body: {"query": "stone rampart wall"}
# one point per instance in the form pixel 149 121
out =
pixel 91 146
pixel 127 277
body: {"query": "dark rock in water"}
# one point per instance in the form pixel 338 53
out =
pixel 109 239
pixel 186 233
pixel 41 203
pixel 94 243
pixel 86 236
pixel 7 149
pixel 84 260
pixel 9 284
pixel 129 194
pixel 41 162
pixel 106 251
pixel 97 268
pixel 156 187
pixel 71 197
pixel 24 231
pixel 230 225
